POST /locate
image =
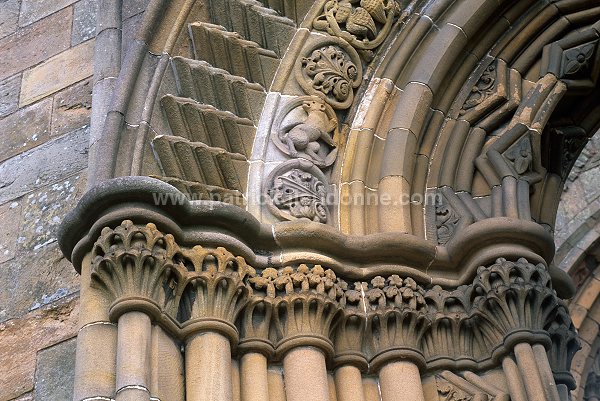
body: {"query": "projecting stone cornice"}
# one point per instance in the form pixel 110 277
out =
pixel 215 224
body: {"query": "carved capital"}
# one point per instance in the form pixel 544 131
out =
pixel 515 296
pixel 397 319
pixel 565 344
pixel 305 302
pixel 215 293
pixel 134 265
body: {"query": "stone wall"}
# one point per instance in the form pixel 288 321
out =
pixel 46 80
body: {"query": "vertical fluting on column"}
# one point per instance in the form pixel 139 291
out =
pixel 94 371
pixel 132 266
pixel 213 298
pixel 133 357
pixel 397 320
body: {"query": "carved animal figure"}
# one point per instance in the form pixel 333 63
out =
pixel 304 137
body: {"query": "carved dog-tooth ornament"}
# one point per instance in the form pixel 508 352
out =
pixel 298 189
pixel 307 128
pixel 364 24
pixel 331 70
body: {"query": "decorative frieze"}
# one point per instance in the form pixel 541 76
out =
pixel 365 324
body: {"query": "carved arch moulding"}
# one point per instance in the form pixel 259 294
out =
pixel 375 180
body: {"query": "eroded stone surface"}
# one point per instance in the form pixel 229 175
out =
pixel 72 108
pixel 66 68
pixel 10 218
pixel 9 95
pixel 84 21
pixel 8 17
pixel 20 339
pixel 33 10
pixel 25 129
pixel 43 165
pixel 55 372
pixel 35 43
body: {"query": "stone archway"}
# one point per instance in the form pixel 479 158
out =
pixel 254 201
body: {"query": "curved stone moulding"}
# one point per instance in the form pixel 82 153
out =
pixel 212 223
pixel 454 80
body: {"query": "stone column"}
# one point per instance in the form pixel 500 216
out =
pixel 305 303
pixel 129 265
pixel 215 295
pixel 397 321
pixel 349 359
pixel 94 371
pixel 133 357
pixel 517 300
pixel 208 367
pixel 255 347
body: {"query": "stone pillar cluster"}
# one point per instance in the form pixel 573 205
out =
pixel 168 322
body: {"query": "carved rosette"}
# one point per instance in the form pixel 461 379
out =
pixel 331 70
pixel 298 190
pixel 134 265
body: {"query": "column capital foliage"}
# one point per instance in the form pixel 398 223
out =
pixel 365 323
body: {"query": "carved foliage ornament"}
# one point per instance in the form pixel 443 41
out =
pixel 364 24
pixel 209 288
pixel 298 190
pixel 307 128
pixel 332 72
pixel 483 89
pixel 446 221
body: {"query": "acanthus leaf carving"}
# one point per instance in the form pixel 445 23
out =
pixel 364 24
pixel 298 190
pixel 447 222
pixel 331 71
pixel 482 90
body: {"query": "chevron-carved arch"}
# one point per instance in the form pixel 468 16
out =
pixel 475 100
